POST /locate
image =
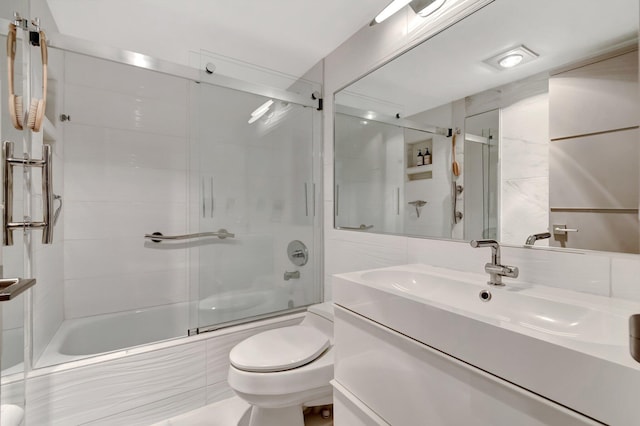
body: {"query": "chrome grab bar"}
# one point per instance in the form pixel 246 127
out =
pixel 10 288
pixel 362 227
pixel 157 237
pixel 47 194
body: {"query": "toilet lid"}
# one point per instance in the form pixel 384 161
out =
pixel 278 350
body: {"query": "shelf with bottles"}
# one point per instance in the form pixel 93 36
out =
pixel 419 161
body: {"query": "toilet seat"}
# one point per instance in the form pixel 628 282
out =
pixel 279 349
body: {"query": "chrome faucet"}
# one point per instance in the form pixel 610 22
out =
pixel 531 240
pixel 495 270
pixel 295 275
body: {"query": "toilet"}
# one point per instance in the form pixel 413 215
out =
pixel 281 371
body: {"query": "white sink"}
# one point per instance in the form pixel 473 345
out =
pixel 515 306
pixel 567 346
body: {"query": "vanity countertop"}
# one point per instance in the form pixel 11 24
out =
pixel 570 347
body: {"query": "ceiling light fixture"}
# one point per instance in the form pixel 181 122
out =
pixel 260 111
pixel 511 58
pixel 425 8
pixel 390 10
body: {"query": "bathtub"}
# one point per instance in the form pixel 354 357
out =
pixel 100 334
pixel 139 385
pixel 83 337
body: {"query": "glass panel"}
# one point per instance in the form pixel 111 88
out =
pixel 252 174
pixel 12 394
pixel 368 174
pixel 481 144
pixel 121 167
pixel 390 179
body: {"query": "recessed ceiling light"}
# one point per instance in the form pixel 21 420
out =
pixel 510 58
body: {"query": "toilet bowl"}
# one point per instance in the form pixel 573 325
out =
pixel 281 371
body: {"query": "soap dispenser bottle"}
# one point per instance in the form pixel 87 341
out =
pixel 427 156
pixel 420 159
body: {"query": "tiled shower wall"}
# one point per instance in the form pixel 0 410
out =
pixel 125 170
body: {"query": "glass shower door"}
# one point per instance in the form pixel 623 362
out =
pixel 252 177
pixel 12 343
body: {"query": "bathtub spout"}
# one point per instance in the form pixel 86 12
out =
pixel 291 275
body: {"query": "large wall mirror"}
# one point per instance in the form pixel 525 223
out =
pixel 519 123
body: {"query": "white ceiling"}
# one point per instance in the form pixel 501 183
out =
pixel 289 36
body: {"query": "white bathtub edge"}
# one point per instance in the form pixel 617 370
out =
pixel 43 371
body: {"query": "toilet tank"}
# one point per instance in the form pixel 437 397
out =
pixel 320 316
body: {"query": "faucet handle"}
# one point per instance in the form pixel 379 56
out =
pixel 483 243
pixel 502 270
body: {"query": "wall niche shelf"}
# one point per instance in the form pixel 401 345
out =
pixel 414 170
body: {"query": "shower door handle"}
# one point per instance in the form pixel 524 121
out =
pixel 47 194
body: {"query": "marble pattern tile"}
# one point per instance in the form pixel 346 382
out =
pixel 625 278
pixel 524 209
pixel 584 272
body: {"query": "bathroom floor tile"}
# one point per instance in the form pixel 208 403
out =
pixel 233 411
pixel 223 413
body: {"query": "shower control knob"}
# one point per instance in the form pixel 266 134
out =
pixel 298 253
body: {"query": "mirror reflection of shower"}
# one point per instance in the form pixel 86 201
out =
pixel 481 145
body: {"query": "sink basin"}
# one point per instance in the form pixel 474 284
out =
pixel 570 347
pixel 515 307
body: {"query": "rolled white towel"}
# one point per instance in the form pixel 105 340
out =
pixel 11 415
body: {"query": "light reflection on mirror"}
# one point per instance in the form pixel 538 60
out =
pixel 549 145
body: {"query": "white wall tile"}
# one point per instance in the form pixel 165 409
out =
pixel 101 295
pixel 94 392
pixel 583 272
pixel 156 411
pixel 101 182
pixel 122 220
pixel 95 296
pixel 117 257
pixel 363 251
pixel 97 107
pixel 13 393
pixel 457 255
pixel 123 148
pixel 625 278
pixel 218 392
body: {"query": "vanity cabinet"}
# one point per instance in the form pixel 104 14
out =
pixel 383 377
